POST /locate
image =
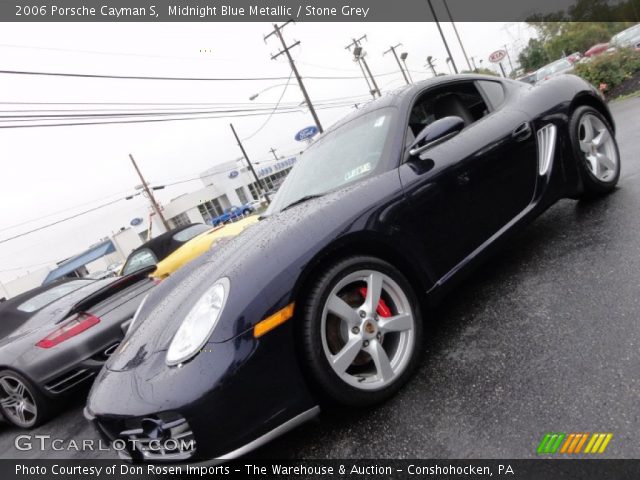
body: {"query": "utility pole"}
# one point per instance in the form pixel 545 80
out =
pixel 508 57
pixel 457 34
pixel 393 50
pixel 273 151
pixel 244 153
pixel 431 65
pixel 444 40
pixel 277 30
pixel 473 61
pixel 359 54
pixel 152 199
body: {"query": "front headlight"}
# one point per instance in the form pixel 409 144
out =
pixel 198 326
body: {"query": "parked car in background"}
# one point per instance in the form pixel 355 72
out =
pixel 597 49
pixel 554 69
pixel 100 274
pixel 574 57
pixel 150 253
pixel 324 300
pixel 232 213
pixel 629 38
pixel 528 78
pixel 198 245
pixel 57 337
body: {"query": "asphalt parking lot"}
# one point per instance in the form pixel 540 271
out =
pixel 544 338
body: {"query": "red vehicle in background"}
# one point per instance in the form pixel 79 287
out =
pixel 597 49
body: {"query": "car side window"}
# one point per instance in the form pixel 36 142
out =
pixel 494 92
pixel 461 99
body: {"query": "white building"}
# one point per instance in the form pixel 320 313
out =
pixel 225 185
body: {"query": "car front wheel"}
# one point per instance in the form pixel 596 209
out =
pixel 361 331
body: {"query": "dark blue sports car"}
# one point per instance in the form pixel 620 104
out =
pixel 383 215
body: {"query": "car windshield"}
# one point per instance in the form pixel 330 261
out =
pixel 139 260
pixel 51 295
pixel 191 232
pixel 347 154
pixel 553 68
pixel 626 35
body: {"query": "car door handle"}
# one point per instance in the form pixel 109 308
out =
pixel 522 132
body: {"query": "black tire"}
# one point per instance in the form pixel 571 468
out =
pixel 246 212
pixel 43 406
pixel 592 185
pixel 328 383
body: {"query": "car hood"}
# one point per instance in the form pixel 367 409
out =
pixel 262 264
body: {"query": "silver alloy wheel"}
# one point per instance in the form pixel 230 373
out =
pixel 365 349
pixel 17 401
pixel 598 147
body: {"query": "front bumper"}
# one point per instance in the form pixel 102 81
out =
pixel 233 397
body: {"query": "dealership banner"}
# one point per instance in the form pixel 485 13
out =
pixel 585 469
pixel 313 10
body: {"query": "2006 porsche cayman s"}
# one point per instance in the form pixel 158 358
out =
pixel 383 214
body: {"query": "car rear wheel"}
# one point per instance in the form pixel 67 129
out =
pixel 361 331
pixel 20 401
pixel 596 151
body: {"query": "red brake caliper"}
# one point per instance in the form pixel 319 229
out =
pixel 382 309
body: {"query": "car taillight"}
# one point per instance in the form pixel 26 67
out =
pixel 69 329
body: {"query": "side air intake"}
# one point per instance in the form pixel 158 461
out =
pixel 546 147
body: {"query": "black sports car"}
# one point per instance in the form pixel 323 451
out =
pixel 382 215
pixel 55 337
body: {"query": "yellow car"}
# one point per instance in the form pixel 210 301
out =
pixel 199 245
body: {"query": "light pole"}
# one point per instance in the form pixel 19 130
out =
pixel 403 57
pixel 431 64
pixel 358 56
pixel 150 196
pixel 449 61
pixel 257 94
pixel 393 50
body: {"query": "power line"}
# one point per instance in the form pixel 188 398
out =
pixel 61 220
pixel 52 214
pixel 146 77
pixel 264 124
pixel 156 120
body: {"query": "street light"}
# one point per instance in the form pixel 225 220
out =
pixel 256 95
pixel 403 57
pixel 431 63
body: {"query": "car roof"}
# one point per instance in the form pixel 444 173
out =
pixel 163 244
pixel 401 94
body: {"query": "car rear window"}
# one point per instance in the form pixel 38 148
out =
pixel 188 233
pixel 51 295
pixel 139 260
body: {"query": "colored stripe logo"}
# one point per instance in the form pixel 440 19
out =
pixel 573 443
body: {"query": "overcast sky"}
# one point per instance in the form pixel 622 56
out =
pixel 50 173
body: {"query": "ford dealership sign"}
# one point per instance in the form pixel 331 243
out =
pixel 307 133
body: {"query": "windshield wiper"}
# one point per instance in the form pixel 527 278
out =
pixel 302 200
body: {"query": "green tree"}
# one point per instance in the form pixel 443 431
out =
pixel 533 56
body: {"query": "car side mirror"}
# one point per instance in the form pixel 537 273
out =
pixel 435 133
